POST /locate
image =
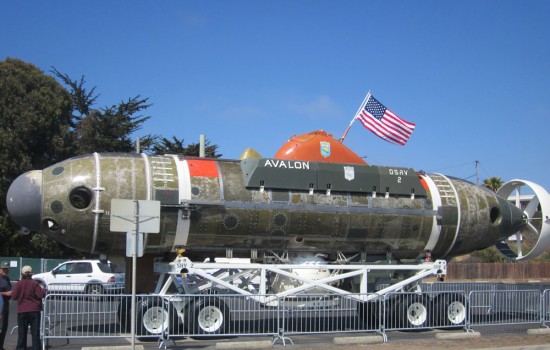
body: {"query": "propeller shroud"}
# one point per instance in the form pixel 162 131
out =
pixel 536 226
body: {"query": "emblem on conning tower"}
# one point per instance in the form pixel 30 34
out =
pixel 349 173
pixel 325 149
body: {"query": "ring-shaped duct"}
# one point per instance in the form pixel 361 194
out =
pixel 542 230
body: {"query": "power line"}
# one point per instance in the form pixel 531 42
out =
pixel 454 166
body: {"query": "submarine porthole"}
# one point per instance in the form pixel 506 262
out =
pixel 494 215
pixel 280 219
pixel 58 171
pixel 80 197
pixel 231 222
pixel 56 207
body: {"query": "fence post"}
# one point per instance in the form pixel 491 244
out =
pixel 281 324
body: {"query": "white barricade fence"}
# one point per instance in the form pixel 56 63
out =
pixel 328 313
pixel 87 288
pixel 486 299
pixel 507 307
pixel 406 311
pixel 152 319
pixel 206 315
pixel 457 286
pixel 545 307
pixel 78 315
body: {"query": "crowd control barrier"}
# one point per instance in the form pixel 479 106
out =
pixel 168 319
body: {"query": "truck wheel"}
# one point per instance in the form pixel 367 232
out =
pixel 123 314
pixel 153 317
pixel 452 310
pixel 207 316
pixel 413 312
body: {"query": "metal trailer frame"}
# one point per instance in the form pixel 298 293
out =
pixel 251 280
pixel 238 277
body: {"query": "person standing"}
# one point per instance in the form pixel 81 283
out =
pixel 28 293
pixel 1 305
pixel 5 291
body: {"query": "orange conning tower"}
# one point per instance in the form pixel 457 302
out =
pixel 317 146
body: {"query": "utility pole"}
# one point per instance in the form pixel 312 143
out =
pixel 477 175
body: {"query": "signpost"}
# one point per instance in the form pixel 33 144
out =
pixel 135 217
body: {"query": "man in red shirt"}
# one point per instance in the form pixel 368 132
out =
pixel 28 293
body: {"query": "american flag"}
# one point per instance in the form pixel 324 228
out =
pixel 384 123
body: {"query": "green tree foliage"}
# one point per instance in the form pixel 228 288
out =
pixel 35 131
pixel 35 112
pixel 490 255
pixel 108 129
pixel 177 146
pixel 493 183
pixel 42 123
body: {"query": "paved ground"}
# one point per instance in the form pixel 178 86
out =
pixel 315 342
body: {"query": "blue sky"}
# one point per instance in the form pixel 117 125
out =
pixel 473 75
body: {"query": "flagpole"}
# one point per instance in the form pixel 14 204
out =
pixel 355 117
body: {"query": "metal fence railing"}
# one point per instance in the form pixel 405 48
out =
pixel 508 307
pixel 99 288
pixel 166 318
pixel 545 307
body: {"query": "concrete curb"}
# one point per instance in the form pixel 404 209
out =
pixel 457 336
pixel 538 331
pixel 523 347
pixel 368 339
pixel 260 344
pixel 117 347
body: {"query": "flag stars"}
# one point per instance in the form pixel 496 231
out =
pixel 375 108
pixel 383 122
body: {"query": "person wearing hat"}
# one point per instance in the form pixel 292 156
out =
pixel 28 293
pixel 5 291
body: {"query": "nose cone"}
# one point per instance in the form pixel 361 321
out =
pixel 24 200
pixel 513 219
pixel 519 220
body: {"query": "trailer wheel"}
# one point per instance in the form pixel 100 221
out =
pixel 123 314
pixel 452 310
pixel 413 311
pixel 207 316
pixel 153 317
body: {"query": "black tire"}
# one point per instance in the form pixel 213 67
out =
pixel 413 311
pixel 155 316
pixel 452 310
pixel 207 316
pixel 123 314
pixel 369 314
pixel 95 290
